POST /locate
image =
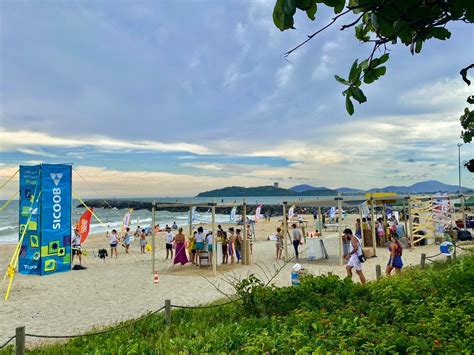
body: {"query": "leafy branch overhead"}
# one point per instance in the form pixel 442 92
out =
pixel 380 23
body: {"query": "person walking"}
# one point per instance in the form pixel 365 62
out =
pixel 395 261
pixel 76 246
pixel 169 244
pixel 143 241
pixel 113 240
pixel 297 239
pixel 127 240
pixel 355 250
pixel 279 243
pixel 180 255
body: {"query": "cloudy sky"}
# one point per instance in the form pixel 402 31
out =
pixel 171 98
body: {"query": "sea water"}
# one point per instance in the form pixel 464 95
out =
pixel 112 218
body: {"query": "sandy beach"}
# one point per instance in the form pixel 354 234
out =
pixel 119 289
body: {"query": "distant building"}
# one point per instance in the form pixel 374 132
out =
pixel 276 185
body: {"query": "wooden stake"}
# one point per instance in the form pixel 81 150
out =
pixel 214 240
pixel 374 237
pixel 378 272
pixel 190 221
pixel 285 231
pixel 423 260
pixel 360 226
pixel 320 220
pixel 20 340
pixel 405 212
pixel 410 223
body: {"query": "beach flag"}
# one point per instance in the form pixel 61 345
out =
pixel 193 214
pixel 291 212
pixel 233 212
pixel 126 219
pixel 84 225
pixel 257 212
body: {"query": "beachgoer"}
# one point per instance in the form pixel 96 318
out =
pixel 225 246
pixel 180 242
pixel 174 226
pixel 395 261
pixel 137 232
pixel 76 246
pixel 358 227
pixel 199 243
pixel 231 244
pixel 355 250
pixel 279 243
pixel 126 240
pixel 113 240
pixel 192 247
pixel 297 239
pixel 209 246
pixel 169 244
pixel 143 241
pixel 238 245
pixel 380 231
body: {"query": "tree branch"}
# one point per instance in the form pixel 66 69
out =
pixel 343 27
pixel 463 73
pixel 310 37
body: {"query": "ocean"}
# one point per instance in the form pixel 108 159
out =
pixel 113 217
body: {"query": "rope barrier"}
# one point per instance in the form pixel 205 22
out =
pixel 95 333
pixel 204 307
pixel 91 211
pixel 8 202
pixel 7 342
pixel 9 179
pixel 433 256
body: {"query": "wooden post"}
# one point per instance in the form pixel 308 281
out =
pixel 320 219
pixel 385 220
pixel 405 212
pixel 449 258
pixel 360 225
pixel 373 220
pixel 463 213
pixel 285 231
pixel 245 251
pixel 423 260
pixel 339 229
pixel 153 237
pixel 378 272
pixel 168 312
pixel 190 221
pixel 410 223
pixel 214 240
pixel 20 340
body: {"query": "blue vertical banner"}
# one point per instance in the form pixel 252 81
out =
pixel 56 200
pixel 30 220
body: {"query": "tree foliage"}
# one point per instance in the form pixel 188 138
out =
pixel 381 23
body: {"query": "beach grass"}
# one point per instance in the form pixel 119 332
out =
pixel 423 310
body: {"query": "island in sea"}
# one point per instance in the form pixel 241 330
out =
pixel 239 191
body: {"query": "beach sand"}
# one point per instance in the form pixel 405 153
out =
pixel 119 289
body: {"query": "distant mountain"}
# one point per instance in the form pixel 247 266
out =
pixel 350 191
pixel 303 187
pixel 429 186
pixel 239 191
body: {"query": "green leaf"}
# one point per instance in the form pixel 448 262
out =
pixel 354 72
pixel 440 33
pixel 358 94
pixel 341 80
pixel 373 74
pixel 349 105
pixel 303 4
pixel 418 45
pixel 311 12
pixel 383 58
pixel 290 7
pixel 281 19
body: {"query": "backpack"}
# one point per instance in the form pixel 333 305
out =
pixel 361 257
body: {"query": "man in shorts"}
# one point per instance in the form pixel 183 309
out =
pixel 76 246
pixel 355 250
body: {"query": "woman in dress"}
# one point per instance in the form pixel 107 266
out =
pixel 279 243
pixel 395 261
pixel 180 247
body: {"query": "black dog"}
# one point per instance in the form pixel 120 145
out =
pixel 102 253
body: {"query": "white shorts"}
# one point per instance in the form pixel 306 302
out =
pixel 355 262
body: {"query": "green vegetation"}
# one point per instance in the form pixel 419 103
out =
pixel 422 311
pixel 238 191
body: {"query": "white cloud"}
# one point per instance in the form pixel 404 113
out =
pixel 283 75
pixel 40 152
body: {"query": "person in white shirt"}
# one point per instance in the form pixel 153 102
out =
pixel 169 244
pixel 209 246
pixel 113 240
pixel 199 242
pixel 355 250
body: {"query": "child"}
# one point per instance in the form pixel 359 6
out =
pixel 142 241
pixel 279 243
pixel 113 240
pixel 192 247
pixel 169 244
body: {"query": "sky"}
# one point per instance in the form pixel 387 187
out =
pixel 171 98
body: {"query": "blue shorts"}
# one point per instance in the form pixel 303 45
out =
pixel 114 245
pixel 199 245
pixel 397 262
pixel 209 247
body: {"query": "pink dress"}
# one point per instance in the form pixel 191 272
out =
pixel 180 255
